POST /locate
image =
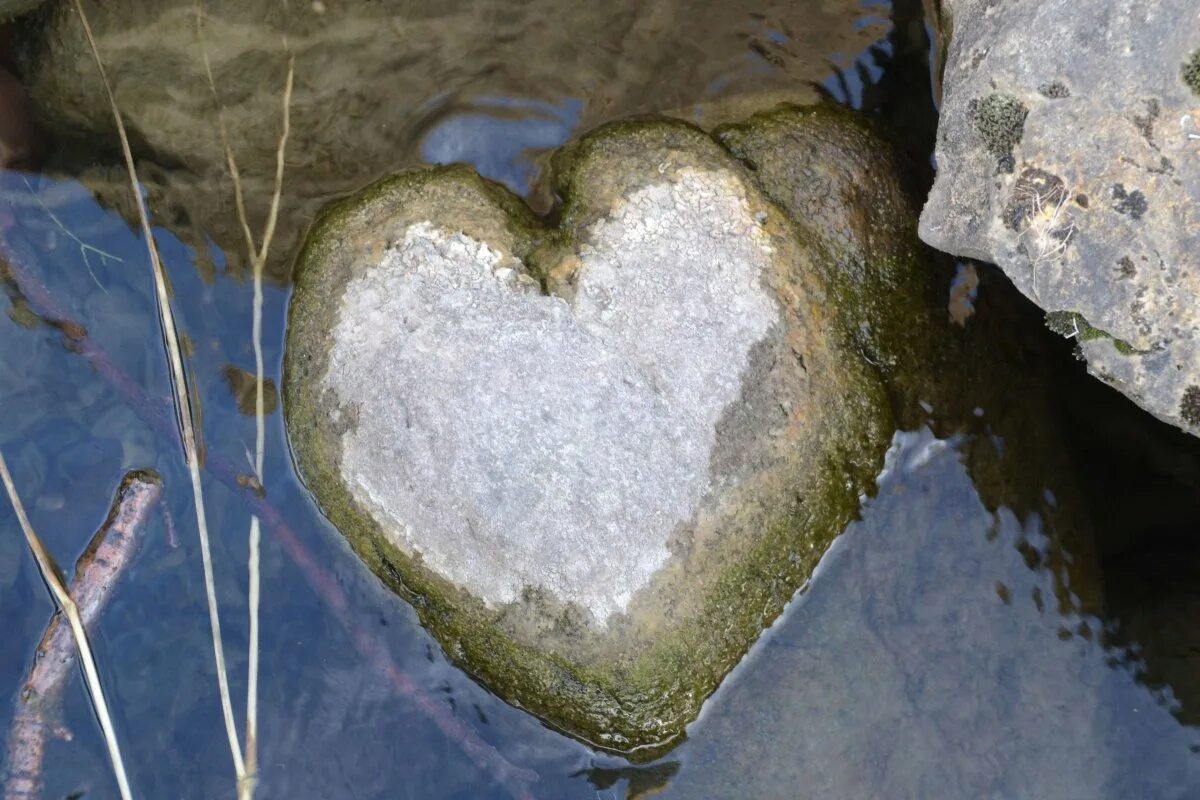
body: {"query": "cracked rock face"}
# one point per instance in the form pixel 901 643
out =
pixel 598 458
pixel 1069 154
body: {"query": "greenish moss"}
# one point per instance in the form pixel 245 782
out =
pixel 1000 121
pixel 599 165
pixel 1191 72
pixel 836 173
pixel 839 176
pixel 1074 326
pixel 640 706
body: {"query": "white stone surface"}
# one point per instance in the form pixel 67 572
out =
pixel 516 439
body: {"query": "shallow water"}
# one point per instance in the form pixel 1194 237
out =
pixel 919 662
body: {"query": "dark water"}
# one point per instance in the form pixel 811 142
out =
pixel 920 661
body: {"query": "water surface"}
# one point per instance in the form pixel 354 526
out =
pixel 922 661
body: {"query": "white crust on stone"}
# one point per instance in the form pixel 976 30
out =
pixel 516 440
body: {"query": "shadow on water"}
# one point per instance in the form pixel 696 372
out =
pixel 925 658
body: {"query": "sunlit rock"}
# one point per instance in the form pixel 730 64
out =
pixel 1068 154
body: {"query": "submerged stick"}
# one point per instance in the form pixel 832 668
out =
pixel 156 414
pixel 96 573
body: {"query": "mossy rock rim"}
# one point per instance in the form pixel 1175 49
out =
pixel 637 709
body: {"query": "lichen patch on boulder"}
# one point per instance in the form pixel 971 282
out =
pixel 1124 143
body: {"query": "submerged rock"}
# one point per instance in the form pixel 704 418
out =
pixel 385 85
pixel 1069 154
pixel 600 457
pixel 14 8
pixel 922 662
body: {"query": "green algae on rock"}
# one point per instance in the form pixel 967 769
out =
pixel 598 458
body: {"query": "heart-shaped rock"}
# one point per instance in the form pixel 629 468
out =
pixel 599 457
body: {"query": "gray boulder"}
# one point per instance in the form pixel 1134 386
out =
pixel 1069 154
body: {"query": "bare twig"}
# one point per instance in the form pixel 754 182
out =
pixel 156 414
pixel 70 610
pixel 235 175
pixel 96 574
pixel 183 407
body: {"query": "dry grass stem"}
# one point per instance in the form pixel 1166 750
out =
pixel 515 780
pixel 257 259
pixel 1050 227
pixel 183 404
pixel 260 423
pixel 63 599
pixel 239 197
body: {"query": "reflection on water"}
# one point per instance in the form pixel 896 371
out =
pixel 386 85
pixel 502 137
pixel 924 660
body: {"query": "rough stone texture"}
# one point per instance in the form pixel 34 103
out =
pixel 599 458
pixel 624 386
pixel 1069 154
pixel 13 8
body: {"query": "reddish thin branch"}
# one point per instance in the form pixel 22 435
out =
pixel 96 574
pixel 157 414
